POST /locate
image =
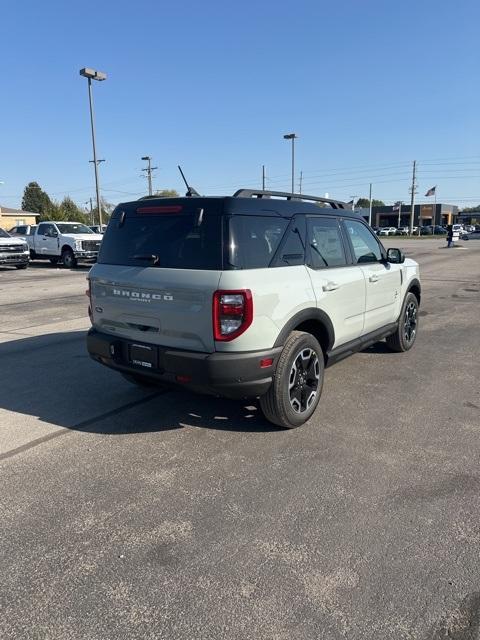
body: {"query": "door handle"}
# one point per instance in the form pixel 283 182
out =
pixel 373 278
pixel 330 286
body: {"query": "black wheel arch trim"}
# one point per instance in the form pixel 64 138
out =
pixel 305 315
pixel 415 282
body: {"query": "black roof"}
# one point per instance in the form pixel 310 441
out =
pixel 247 202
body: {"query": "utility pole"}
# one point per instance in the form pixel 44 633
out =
pixel 413 189
pixel 149 169
pixel 370 206
pixel 300 182
pixel 263 177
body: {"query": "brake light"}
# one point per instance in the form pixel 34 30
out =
pixel 162 209
pixel 232 313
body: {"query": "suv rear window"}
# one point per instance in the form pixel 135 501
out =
pixel 170 240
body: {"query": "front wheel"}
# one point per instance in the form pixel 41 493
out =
pixel 297 383
pixel 406 332
pixel 22 266
pixel 68 259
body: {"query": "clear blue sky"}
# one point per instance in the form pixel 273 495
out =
pixel 367 85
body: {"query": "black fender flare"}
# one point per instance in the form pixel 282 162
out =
pixel 415 282
pixel 304 316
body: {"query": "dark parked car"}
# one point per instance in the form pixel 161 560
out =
pixel 428 230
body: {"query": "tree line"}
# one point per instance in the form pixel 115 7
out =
pixel 36 200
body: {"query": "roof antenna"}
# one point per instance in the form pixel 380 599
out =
pixel 190 190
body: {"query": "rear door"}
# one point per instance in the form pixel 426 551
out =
pixel 382 279
pixel 339 285
pixel 157 271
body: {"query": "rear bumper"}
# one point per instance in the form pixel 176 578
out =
pixel 230 375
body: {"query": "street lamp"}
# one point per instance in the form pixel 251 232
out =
pixel 292 137
pixel 92 74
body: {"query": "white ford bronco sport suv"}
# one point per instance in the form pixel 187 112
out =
pixel 246 296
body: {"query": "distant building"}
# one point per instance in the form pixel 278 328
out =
pixel 470 217
pixel 13 217
pixel 389 216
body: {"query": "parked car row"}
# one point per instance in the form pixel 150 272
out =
pixel 426 230
pixel 66 242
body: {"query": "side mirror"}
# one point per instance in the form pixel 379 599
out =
pixel 54 233
pixel 395 256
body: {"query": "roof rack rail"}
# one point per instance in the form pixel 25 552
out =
pixel 258 193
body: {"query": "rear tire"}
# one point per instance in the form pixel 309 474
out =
pixel 297 382
pixel 404 337
pixel 68 259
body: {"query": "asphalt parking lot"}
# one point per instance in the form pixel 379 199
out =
pixel 134 514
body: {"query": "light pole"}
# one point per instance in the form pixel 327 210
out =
pixel 353 202
pixel 92 74
pixel 292 137
pixel 149 170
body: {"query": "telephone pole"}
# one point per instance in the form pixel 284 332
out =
pixel 413 190
pixel 149 169
pixel 263 177
pixel 300 182
pixel 370 206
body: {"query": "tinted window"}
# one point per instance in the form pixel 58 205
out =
pixel 176 241
pixel 325 243
pixel 292 251
pixel 45 229
pixel 364 244
pixel 253 240
pixel 73 228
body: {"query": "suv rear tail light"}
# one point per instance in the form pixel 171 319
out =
pixel 232 313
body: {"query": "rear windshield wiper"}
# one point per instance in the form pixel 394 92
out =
pixel 151 256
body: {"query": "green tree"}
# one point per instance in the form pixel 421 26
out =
pixel 167 193
pixel 36 200
pixel 364 203
pixel 71 211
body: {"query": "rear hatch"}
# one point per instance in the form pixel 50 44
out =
pixel 158 268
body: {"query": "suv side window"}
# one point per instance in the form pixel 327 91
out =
pixel 292 248
pixel 364 244
pixel 325 243
pixel 253 240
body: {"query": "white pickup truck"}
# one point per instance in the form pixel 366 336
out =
pixel 69 242
pixel 13 251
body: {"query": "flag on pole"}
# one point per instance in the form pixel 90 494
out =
pixel 431 192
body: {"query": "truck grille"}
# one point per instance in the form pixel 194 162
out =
pixel 12 248
pixel 91 245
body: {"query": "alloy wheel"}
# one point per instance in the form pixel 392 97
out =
pixel 303 380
